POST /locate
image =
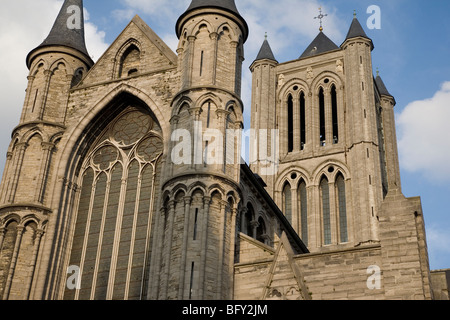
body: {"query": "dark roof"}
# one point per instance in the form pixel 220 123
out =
pixel 356 30
pixel 320 44
pixel 265 52
pixel 381 87
pixel 227 5
pixel 62 35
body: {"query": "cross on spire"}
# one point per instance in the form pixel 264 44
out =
pixel 320 17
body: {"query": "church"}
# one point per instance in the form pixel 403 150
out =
pixel 124 178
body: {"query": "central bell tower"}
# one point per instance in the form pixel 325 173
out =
pixel 201 191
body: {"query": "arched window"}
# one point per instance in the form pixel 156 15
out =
pixel 249 219
pixel 287 202
pixel 290 115
pixel 322 117
pixel 303 205
pixel 334 110
pixel 130 61
pixel 302 121
pixel 261 231
pixel 342 208
pixel 325 196
pixel 111 236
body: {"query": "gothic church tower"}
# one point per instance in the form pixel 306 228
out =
pixel 124 178
pixel 198 251
pixel 337 156
pixel 55 67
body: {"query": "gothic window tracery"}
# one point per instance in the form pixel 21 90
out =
pixel 118 186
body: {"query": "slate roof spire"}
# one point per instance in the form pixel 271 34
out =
pixel 382 87
pixel 356 30
pixel 68 29
pixel 266 51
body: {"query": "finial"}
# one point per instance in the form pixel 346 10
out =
pixel 378 72
pixel 354 13
pixel 320 17
pixel 265 37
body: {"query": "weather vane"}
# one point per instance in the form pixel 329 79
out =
pixel 320 17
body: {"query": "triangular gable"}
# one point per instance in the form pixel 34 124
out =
pixel 155 55
pixel 285 280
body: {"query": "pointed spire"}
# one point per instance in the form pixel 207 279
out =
pixel 381 86
pixel 356 30
pixel 68 29
pixel 266 51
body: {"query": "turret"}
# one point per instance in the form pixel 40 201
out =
pixel 197 256
pixel 363 135
pixel 263 157
pixel 55 66
pixel 387 103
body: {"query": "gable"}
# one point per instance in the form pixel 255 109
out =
pixel 137 50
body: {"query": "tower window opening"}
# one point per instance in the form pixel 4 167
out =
pixel 290 124
pixel 303 204
pixel 322 117
pixel 340 186
pixel 287 202
pixel 201 63
pixel 302 121
pixel 334 110
pixel 195 224
pixel 191 282
pixel 326 218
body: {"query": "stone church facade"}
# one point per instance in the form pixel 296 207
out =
pixel 124 178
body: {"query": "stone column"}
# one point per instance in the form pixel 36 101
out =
pixel 204 247
pixel 18 161
pixel 183 267
pixel 37 242
pixel 47 149
pixel 220 268
pixel 12 266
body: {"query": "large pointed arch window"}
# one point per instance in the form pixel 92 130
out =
pixel 290 119
pixel 287 202
pixel 119 180
pixel 334 112
pixel 302 120
pixel 303 206
pixel 322 123
pixel 326 214
pixel 342 208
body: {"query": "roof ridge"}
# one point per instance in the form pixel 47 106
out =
pixel 320 44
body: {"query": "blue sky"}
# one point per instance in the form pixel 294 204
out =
pixel 412 51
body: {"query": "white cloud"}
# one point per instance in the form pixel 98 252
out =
pixel 424 138
pixel 437 240
pixel 23 26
